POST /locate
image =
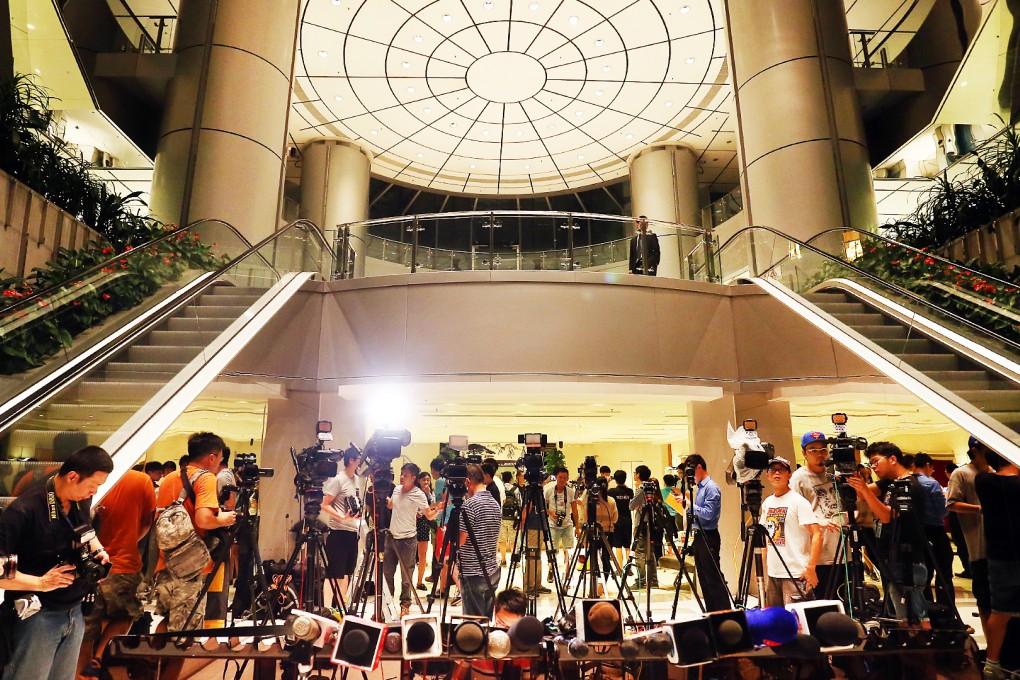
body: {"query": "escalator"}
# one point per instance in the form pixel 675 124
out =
pixel 122 383
pixel 947 333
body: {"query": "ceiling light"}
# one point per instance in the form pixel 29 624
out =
pixel 374 132
pixel 410 90
pixel 421 155
pixel 472 166
pixel 428 109
pixel 518 134
pixel 323 53
pixel 573 21
pixel 669 103
pixel 533 6
pixel 31 27
pixel 599 93
pixel 487 4
pixel 685 9
pixel 527 167
pixel 607 68
pixel 599 43
pixel 580 156
pixel 335 2
pixel 963 84
pixel 552 126
pixel 418 38
pixel 338 98
pixel 630 136
pixel 690 60
pixel 578 113
pixel 485 133
pixel 447 17
pixel 406 64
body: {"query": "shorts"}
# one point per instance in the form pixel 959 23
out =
pixel 507 533
pixel 341 553
pixel 562 537
pixel 621 536
pixel 175 598
pixel 1004 579
pixel 781 591
pixel 979 584
pixel 116 597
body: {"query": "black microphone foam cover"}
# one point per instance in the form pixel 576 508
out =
pixel 802 646
pixel 837 630
pixel 577 648
pixel 694 646
pixel 658 644
pixel 355 643
pixel 629 649
pixel 730 633
pixel 526 633
pixel 420 636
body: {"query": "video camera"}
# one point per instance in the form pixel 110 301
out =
pixel 750 456
pixel 842 460
pixel 247 470
pixel 532 463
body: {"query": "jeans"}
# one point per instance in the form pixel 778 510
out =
pixel 406 550
pixel 46 646
pixel 478 599
pixel 910 600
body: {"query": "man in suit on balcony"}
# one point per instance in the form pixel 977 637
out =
pixel 644 250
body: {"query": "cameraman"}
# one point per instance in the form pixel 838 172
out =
pixel 42 527
pixel 886 460
pixel 813 482
pixel 481 513
pixel 343 517
pixel 647 536
pixel 707 541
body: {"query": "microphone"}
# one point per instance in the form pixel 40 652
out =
pixel 526 633
pixel 772 626
pixel 837 630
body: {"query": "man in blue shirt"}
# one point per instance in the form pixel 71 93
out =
pixel 707 542
pixel 935 531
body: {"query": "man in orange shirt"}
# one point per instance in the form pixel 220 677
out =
pixel 175 598
pixel 121 521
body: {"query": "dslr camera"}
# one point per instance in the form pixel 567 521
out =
pixel 560 516
pixel 88 567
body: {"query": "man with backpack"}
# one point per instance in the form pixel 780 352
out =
pixel 176 589
pixel 511 516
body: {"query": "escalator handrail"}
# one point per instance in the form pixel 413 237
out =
pixel 982 331
pixel 25 401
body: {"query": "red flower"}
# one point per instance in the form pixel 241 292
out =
pixel 107 251
pixel 128 249
pixel 870 250
pixel 950 268
pixel 166 260
pixel 895 262
pixel 929 260
pixel 77 303
pixel 106 296
pixel 43 303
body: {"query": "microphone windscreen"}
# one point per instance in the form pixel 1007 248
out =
pixel 577 648
pixel 499 644
pixel 837 630
pixel 729 633
pixel 393 643
pixel 694 646
pixel 527 633
pixel 603 618
pixel 629 649
pixel 355 643
pixel 658 644
pixel 469 637
pixel 802 646
pixel 420 637
pixel 772 626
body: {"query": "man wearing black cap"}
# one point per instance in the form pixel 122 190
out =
pixel 796 541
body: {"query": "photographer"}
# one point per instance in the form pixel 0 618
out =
pixel 906 557
pixel 343 517
pixel 42 527
pixel 623 529
pixel 707 541
pixel 559 503
pixel 813 482
pixel 478 579
pixel 407 502
pixel 511 512
pixel 647 545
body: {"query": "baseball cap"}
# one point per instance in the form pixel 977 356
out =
pixel 779 460
pixel 972 442
pixel 811 437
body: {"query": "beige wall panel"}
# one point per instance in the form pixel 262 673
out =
pixel 795 190
pixel 168 177
pixel 778 121
pixel 790 19
pixel 247 96
pixel 773 420
pixel 364 333
pixel 845 103
pixel 860 186
pixel 192 23
pixel 833 28
pixel 48 215
pixel 237 24
pixel 233 183
pixel 694 335
pixel 289 344
pixel 182 93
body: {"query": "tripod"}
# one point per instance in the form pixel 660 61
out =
pixel 533 501
pixel 850 547
pixel 592 548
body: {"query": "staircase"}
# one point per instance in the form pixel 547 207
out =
pixel 94 408
pixel 988 391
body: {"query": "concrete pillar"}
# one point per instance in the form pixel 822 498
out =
pixel 664 186
pixel 803 158
pixel 223 140
pixel 334 189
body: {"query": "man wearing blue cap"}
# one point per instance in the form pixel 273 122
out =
pixel 813 483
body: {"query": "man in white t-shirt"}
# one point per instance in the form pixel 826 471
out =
pixel 407 502
pixel 813 483
pixel 796 541
pixel 341 507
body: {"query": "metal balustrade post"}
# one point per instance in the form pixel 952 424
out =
pixel 492 241
pixel 570 241
pixel 414 245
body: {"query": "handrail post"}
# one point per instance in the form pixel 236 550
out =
pixel 414 245
pixel 492 240
pixel 709 256
pixel 570 241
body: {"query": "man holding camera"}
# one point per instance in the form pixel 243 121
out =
pixel 815 484
pixel 407 502
pixel 647 535
pixel 899 502
pixel 478 564
pixel 559 503
pixel 43 527
pixel 343 517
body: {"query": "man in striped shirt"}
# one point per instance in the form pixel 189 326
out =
pixel 478 578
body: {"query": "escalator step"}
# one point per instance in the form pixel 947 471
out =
pixel 842 307
pixel 183 337
pixel 229 300
pixel 888 332
pixel 165 354
pixel 993 400
pixel 237 290
pixel 863 319
pixel 910 346
pixel 183 323
pixel 932 362
pixel 215 311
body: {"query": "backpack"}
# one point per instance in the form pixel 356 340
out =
pixel 512 505
pixel 184 552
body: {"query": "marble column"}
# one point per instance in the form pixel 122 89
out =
pixel 664 186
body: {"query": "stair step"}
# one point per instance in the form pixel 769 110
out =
pixel 1010 419
pixel 931 362
pixel 181 337
pixel 828 296
pixel 842 307
pixel 165 354
pixel 128 370
pixel 189 323
pixel 214 311
pixel 992 400
pixel 887 332
pixel 863 319
pixel 229 300
pixel 908 346
pixel 104 391
pixel 236 290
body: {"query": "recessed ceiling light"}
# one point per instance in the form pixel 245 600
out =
pixel 669 103
pixel 690 60
pixel 630 136
pixel 323 53
pixel 533 6
pixel 421 155
pixel 552 126
pixel 31 27
pixel 410 90
pixel 527 167
pixel 580 156
pixel 599 93
pixel 406 64
pixel 573 20
pixel 685 9
pixel 578 113
pixel 374 132
pixel 963 84
pixel 518 134
pixel 338 98
pixel 600 42
pixel 472 166
pixel 335 2
pixel 418 38
pixel 447 17
pixel 607 68
pixel 428 109
pixel 485 133
pixel 487 4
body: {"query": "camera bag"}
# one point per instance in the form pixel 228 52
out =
pixel 184 552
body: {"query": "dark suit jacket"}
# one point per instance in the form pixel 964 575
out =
pixel 652 246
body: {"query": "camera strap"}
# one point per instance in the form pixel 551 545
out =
pixel 54 508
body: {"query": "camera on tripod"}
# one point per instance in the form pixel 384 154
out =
pixel 842 460
pixel 88 567
pixel 532 463
pixel 750 455
pixel 651 490
pixel 899 490
pixel 247 470
pixel 8 567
